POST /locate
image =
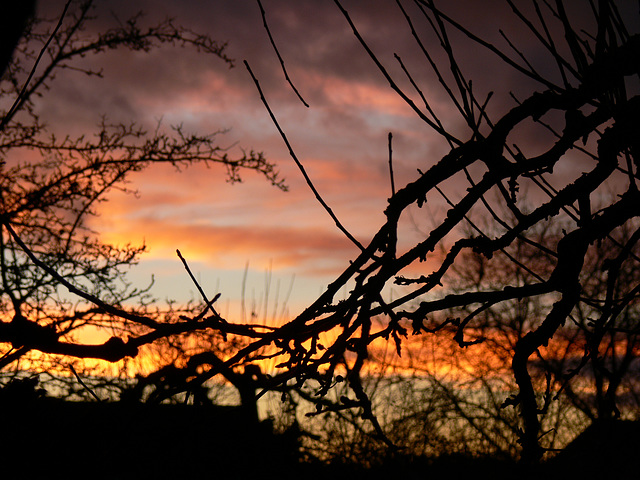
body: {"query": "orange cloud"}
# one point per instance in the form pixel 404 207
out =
pixel 231 246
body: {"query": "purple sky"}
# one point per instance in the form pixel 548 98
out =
pixel 341 138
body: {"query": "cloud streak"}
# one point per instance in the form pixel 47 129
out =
pixel 341 139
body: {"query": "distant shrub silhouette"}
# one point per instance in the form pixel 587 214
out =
pixel 606 449
pixel 47 438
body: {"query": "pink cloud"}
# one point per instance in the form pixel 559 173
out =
pixel 341 139
pixel 282 247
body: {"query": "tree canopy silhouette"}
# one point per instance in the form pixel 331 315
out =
pixel 58 278
pixel 584 177
pixel 588 109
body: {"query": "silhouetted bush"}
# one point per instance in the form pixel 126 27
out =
pixel 46 438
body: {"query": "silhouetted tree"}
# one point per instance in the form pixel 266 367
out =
pixel 605 384
pixel 58 279
pixel 588 109
pixel 470 384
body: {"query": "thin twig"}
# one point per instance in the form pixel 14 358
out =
pixel 393 184
pixel 20 96
pixel 492 48
pixel 464 87
pixel 146 321
pixel 208 304
pixel 556 55
pixel 273 44
pixel 299 164
pixel 73 370
pixel 428 56
pixel 422 96
pixel 392 83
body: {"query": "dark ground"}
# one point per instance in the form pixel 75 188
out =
pixel 52 439
pixel 48 438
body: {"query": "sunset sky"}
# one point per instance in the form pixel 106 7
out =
pixel 341 138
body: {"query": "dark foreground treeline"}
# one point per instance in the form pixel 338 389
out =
pixel 50 438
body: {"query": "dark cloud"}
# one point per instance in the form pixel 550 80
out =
pixel 341 138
